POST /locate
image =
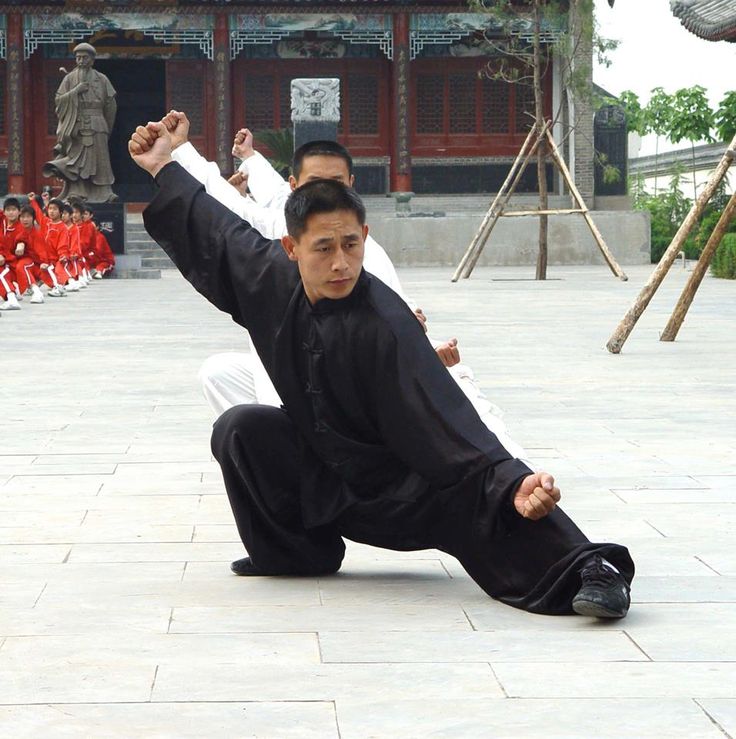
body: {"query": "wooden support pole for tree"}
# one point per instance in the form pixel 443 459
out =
pixel 472 253
pixel 626 326
pixel 688 293
pixel 577 197
pixel 562 212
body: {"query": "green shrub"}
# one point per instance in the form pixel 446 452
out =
pixel 668 210
pixel 724 261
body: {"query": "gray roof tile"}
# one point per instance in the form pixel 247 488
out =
pixel 714 20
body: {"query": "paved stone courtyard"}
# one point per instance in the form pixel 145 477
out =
pixel 118 614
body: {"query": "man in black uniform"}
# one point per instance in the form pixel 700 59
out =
pixel 375 442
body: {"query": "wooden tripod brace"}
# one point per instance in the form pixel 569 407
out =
pixel 498 206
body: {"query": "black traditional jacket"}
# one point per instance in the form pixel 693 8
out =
pixel 377 413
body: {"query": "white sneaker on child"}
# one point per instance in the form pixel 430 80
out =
pixel 37 295
pixel 11 303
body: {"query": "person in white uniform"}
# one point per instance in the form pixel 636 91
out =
pixel 234 378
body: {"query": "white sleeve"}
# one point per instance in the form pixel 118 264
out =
pixel 267 186
pixel 268 222
pixel 377 262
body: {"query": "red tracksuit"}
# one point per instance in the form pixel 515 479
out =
pixel 102 258
pixel 56 236
pixel 28 266
pixel 87 239
pixel 7 250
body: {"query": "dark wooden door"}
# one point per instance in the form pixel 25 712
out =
pixel 141 96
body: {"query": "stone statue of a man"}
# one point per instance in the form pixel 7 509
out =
pixel 85 107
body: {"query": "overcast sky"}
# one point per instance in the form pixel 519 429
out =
pixel 655 50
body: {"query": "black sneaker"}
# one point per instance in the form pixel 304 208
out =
pixel 244 567
pixel 604 593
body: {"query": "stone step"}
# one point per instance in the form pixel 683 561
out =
pixel 137 274
pixel 157 262
pixel 140 247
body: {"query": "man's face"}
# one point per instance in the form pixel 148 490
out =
pixel 86 216
pixel 11 213
pixel 84 60
pixel 26 220
pixel 53 211
pixel 66 216
pixel 76 216
pixel 323 167
pixel 329 254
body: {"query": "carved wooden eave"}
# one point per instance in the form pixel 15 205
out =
pixel 210 6
pixel 713 20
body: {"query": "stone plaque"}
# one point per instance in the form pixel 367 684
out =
pixel 315 109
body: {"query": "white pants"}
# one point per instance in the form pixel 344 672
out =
pixel 234 378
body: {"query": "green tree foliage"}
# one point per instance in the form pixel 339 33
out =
pixel 724 260
pixel 669 209
pixel 725 117
pixel 658 115
pixel 636 118
pixel 691 120
pixel 658 112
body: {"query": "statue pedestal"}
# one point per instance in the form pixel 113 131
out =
pixel 110 218
pixel 306 131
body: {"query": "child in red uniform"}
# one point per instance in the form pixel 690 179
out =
pixel 75 250
pixel 56 237
pixel 104 257
pixel 30 253
pixel 9 292
pixel 87 240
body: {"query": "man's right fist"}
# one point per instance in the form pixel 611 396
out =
pixel 177 124
pixel 150 147
pixel 243 144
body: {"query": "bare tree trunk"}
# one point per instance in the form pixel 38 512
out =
pixel 695 187
pixel 543 219
pixel 542 152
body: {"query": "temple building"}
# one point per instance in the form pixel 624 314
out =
pixel 415 112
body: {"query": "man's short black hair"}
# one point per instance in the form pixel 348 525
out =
pixel 58 203
pixel 11 203
pixel 320 196
pixel 320 148
pixel 77 205
pixel 29 211
pixel 87 209
pixel 66 208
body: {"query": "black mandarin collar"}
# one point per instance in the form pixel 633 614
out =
pixel 328 305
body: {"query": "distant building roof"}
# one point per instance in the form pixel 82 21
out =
pixel 714 20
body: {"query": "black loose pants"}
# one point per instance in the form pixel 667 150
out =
pixel 532 565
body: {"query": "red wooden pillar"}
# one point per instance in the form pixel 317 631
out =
pixel 222 94
pixel 16 160
pixel 400 150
